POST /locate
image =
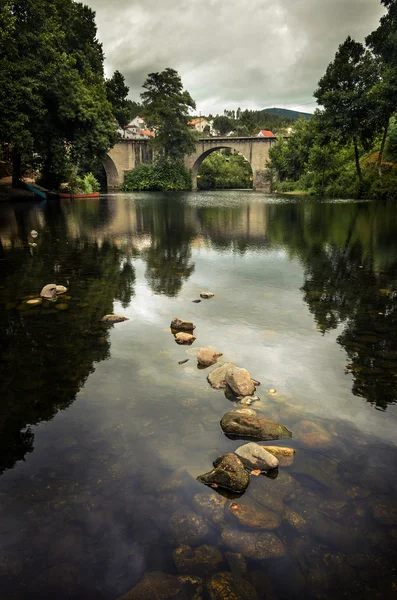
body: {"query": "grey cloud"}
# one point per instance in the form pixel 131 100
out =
pixel 248 53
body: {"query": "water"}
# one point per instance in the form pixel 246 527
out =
pixel 102 432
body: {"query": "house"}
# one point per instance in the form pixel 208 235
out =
pixel 135 130
pixel 265 133
pixel 200 124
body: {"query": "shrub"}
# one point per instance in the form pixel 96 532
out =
pixel 88 184
pixel 162 175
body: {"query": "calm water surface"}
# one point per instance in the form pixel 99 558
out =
pixel 103 433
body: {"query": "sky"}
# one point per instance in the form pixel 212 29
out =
pixel 229 53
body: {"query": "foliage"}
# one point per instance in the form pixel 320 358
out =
pixel 224 171
pixel 116 92
pixel 52 90
pixel 165 174
pixel 166 110
pixel 87 184
pixel 223 124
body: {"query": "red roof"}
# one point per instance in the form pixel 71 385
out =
pixel 267 133
pixel 146 132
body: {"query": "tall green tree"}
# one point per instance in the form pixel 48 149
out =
pixel 117 91
pixel 343 92
pixel 383 43
pixel 52 89
pixel 223 124
pixel 167 106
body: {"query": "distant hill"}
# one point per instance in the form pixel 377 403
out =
pixel 286 113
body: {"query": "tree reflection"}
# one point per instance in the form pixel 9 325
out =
pixel 349 253
pixel 168 259
pixel 47 354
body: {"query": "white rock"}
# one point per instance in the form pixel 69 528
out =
pixel 256 457
pixel 206 295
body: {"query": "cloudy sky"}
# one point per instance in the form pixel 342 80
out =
pixel 230 53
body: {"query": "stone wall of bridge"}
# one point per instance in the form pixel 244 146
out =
pixel 127 154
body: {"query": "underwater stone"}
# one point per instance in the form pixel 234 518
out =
pixel 188 527
pixel 212 505
pixel 203 560
pixel 258 545
pixel 251 515
pixel 114 319
pixel 313 435
pixel 226 586
pixel 35 302
pixel 155 585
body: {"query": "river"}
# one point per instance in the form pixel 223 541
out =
pixel 103 432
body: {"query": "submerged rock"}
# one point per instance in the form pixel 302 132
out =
pixel 256 457
pixel 212 505
pixel 334 508
pixel 184 338
pixel 245 422
pixel 35 302
pixel 207 357
pixel 258 545
pixel 229 473
pixel 49 291
pixel 313 435
pixel 237 563
pixel 155 585
pixel 240 382
pixel 284 455
pixel 62 306
pixel 251 515
pixel 226 586
pixel 206 295
pixel 114 319
pixel 188 527
pixel 180 325
pixel 384 514
pixel 295 520
pixel 203 560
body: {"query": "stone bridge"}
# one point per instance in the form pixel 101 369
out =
pixel 127 154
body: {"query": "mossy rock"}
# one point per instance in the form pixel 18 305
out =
pixel 62 306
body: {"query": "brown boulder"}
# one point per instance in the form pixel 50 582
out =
pixel 229 473
pixel 180 325
pixel 184 338
pixel 226 586
pixel 313 435
pixel 240 382
pixel 207 357
pixel 245 422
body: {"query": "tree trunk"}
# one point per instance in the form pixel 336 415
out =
pixel 382 148
pixel 16 168
pixel 360 175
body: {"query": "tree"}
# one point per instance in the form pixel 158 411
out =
pixel 116 92
pixel 52 89
pixel 223 124
pixel 382 42
pixel 343 91
pixel 166 109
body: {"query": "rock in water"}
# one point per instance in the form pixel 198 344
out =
pixel 49 291
pixel 256 457
pixel 35 302
pixel 203 560
pixel 245 422
pixel 61 289
pixel 114 319
pixel 240 382
pixel 251 515
pixel 229 473
pixel 34 233
pixel 206 295
pixel 313 435
pixel 188 527
pixel 226 586
pixel 217 377
pixel 184 338
pixel 155 585
pixel 180 325
pixel 258 545
pixel 285 456
pixel 207 357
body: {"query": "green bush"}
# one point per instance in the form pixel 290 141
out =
pixel 163 175
pixel 88 184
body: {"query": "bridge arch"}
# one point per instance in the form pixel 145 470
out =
pixel 200 159
pixel 112 174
